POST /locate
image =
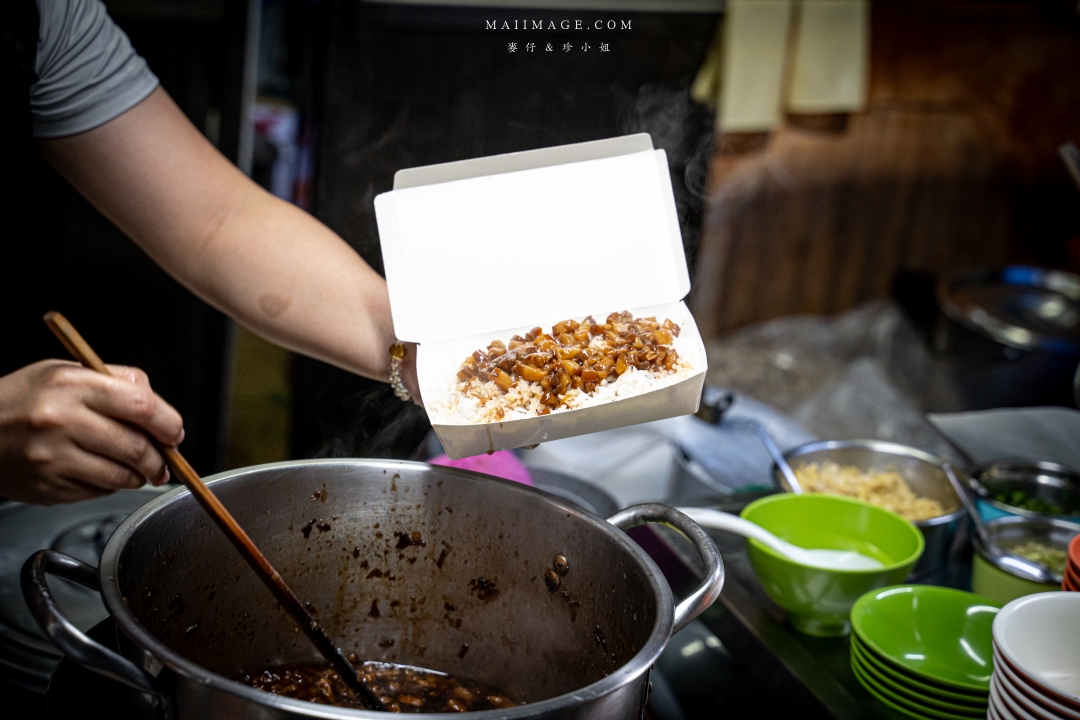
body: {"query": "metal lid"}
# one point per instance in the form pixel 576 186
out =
pixel 1023 307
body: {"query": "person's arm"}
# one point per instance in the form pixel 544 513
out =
pixel 272 267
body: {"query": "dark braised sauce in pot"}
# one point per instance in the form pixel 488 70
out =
pixel 401 688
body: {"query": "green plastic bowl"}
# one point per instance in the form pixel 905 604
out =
pixel 818 601
pixel 871 662
pixel 906 692
pixel 905 707
pixel 940 635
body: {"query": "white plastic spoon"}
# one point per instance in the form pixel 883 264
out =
pixel 815 557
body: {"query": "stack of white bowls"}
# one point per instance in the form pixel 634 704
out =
pixel 1037 659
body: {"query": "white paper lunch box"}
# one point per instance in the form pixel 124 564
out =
pixel 492 247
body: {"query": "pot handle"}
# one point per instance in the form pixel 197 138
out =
pixel 59 629
pixel 709 589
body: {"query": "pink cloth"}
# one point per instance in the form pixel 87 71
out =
pixel 502 464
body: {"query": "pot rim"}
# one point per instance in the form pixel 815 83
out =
pixel 134 630
pixel 882 446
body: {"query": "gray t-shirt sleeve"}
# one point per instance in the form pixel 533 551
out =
pixel 88 73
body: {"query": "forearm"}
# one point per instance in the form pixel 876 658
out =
pixel 271 266
pixel 284 275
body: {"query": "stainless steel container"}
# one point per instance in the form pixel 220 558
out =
pixel 992 575
pixel 1049 483
pixel 467 595
pixel 1011 335
pixel 922 471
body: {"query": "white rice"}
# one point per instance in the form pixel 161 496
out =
pixel 475 402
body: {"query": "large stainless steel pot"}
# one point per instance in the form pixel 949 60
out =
pixel 342 532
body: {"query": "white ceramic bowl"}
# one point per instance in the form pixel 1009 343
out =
pixel 1021 705
pixel 993 713
pixel 1006 706
pixel 1039 636
pixel 1010 680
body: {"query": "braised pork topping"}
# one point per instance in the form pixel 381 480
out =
pixel 580 355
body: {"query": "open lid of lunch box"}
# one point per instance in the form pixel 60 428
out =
pixel 530 238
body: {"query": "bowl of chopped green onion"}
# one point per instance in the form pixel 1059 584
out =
pixel 1028 489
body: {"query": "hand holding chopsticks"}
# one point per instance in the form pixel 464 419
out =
pixel 82 351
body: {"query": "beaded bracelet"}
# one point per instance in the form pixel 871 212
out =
pixel 397 354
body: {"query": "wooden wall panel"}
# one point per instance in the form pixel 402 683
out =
pixel 968 102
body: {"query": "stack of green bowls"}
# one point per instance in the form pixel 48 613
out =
pixel 925 652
